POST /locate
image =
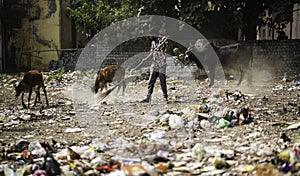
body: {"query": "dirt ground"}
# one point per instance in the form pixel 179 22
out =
pixel 274 106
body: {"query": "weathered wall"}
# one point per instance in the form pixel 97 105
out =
pixel 265 33
pixel 66 26
pixel 277 56
pixel 1 42
pixel 41 31
pixel 1 55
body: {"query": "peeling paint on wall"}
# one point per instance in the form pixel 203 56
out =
pixel 35 12
pixel 52 8
pixel 1 55
pixel 39 39
pixel 39 31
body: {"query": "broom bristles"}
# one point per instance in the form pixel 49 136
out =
pixel 103 95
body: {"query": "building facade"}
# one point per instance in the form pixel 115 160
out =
pixel 34 32
pixel 292 30
pixel 1 45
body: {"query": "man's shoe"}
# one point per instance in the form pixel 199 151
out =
pixel 147 100
pixel 166 100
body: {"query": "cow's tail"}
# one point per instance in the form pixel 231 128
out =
pixel 251 54
pixel 250 71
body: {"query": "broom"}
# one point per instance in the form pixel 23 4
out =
pixel 128 79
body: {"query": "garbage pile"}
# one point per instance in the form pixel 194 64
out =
pixel 225 133
pixel 101 158
pixel 223 109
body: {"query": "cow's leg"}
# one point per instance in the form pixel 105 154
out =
pixel 45 93
pixel 101 86
pixel 37 97
pixel 123 86
pixel 95 87
pixel 249 77
pixel 119 87
pixel 242 75
pixel 211 76
pixel 23 104
pixel 29 96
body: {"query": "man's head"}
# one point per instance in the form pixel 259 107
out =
pixel 200 43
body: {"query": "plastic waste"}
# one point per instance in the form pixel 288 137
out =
pixel 149 168
pixel 51 166
pixel 25 117
pixel 110 166
pixel 76 170
pixel 73 130
pixel 293 126
pixel 99 145
pixel 9 172
pixel 198 151
pixel 163 167
pixel 223 123
pixel 128 161
pixel 12 122
pixel 116 173
pixel 88 154
pixel 246 168
pixel 39 173
pixel 176 122
pixel 72 154
pixel 267 169
pixel 21 146
pixel 220 163
pixel 26 157
pixel 57 85
pixel 36 149
pixel 286 167
pixel 205 124
pixel 285 138
pixel 205 108
pixel 155 135
pixel 135 169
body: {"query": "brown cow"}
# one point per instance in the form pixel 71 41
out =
pixel 109 74
pixel 31 80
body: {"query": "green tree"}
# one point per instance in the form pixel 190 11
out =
pixel 249 14
pixel 159 7
pixel 94 15
pixel 246 15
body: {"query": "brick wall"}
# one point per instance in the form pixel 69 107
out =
pixel 277 56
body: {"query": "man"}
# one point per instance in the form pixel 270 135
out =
pixel 158 49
